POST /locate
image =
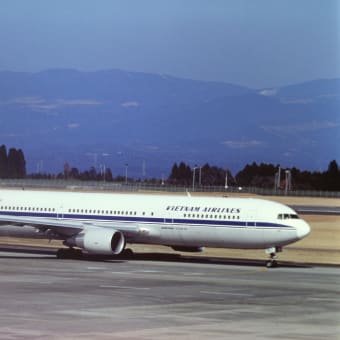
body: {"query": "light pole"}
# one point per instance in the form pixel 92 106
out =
pixel 102 170
pixel 126 172
pixel 279 178
pixel 199 178
pixel 193 178
pixel 287 182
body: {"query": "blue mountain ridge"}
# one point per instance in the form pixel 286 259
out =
pixel 150 121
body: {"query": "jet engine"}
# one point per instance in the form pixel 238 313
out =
pixel 99 241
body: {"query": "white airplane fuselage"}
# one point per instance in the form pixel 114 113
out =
pixel 90 220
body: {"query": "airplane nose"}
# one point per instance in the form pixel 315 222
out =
pixel 303 229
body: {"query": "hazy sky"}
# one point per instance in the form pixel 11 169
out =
pixel 258 43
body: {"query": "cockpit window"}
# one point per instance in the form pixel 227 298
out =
pixel 287 216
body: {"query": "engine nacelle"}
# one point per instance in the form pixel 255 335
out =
pixel 188 249
pixel 100 241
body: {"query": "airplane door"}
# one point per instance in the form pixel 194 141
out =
pixel 251 219
pixel 254 230
pixel 168 220
pixel 60 214
pixel 169 230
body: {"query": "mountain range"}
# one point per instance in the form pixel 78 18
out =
pixel 151 121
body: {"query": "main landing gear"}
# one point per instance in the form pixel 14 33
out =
pixel 76 254
pixel 272 263
pixel 127 253
pixel 69 253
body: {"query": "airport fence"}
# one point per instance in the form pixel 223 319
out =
pixel 140 187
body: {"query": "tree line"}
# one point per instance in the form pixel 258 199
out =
pixel 12 163
pixel 183 174
pixel 258 175
pixel 263 175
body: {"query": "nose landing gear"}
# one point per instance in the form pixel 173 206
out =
pixel 272 263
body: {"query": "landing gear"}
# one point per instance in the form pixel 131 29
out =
pixel 127 253
pixel 70 253
pixel 272 263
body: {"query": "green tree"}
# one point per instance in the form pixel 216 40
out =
pixel 3 162
pixel 174 174
pixel 108 175
pixel 331 177
pixel 16 164
pixel 21 164
pixel 181 174
pixel 257 175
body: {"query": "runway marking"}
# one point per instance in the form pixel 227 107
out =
pixel 147 271
pixel 322 299
pixel 124 287
pixel 96 268
pixel 140 272
pixel 224 293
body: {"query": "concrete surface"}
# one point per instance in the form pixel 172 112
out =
pixel 42 297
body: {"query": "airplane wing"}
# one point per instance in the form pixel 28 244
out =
pixel 61 227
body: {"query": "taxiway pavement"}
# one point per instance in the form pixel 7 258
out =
pixel 42 297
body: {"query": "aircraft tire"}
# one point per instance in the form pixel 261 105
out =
pixel 63 253
pixel 271 264
pixel 127 253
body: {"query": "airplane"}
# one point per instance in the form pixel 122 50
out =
pixel 103 223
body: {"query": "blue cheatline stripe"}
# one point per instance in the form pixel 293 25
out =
pixel 150 220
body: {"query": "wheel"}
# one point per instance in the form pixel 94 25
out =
pixel 75 253
pixel 71 253
pixel 271 264
pixel 127 252
pixel 61 253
